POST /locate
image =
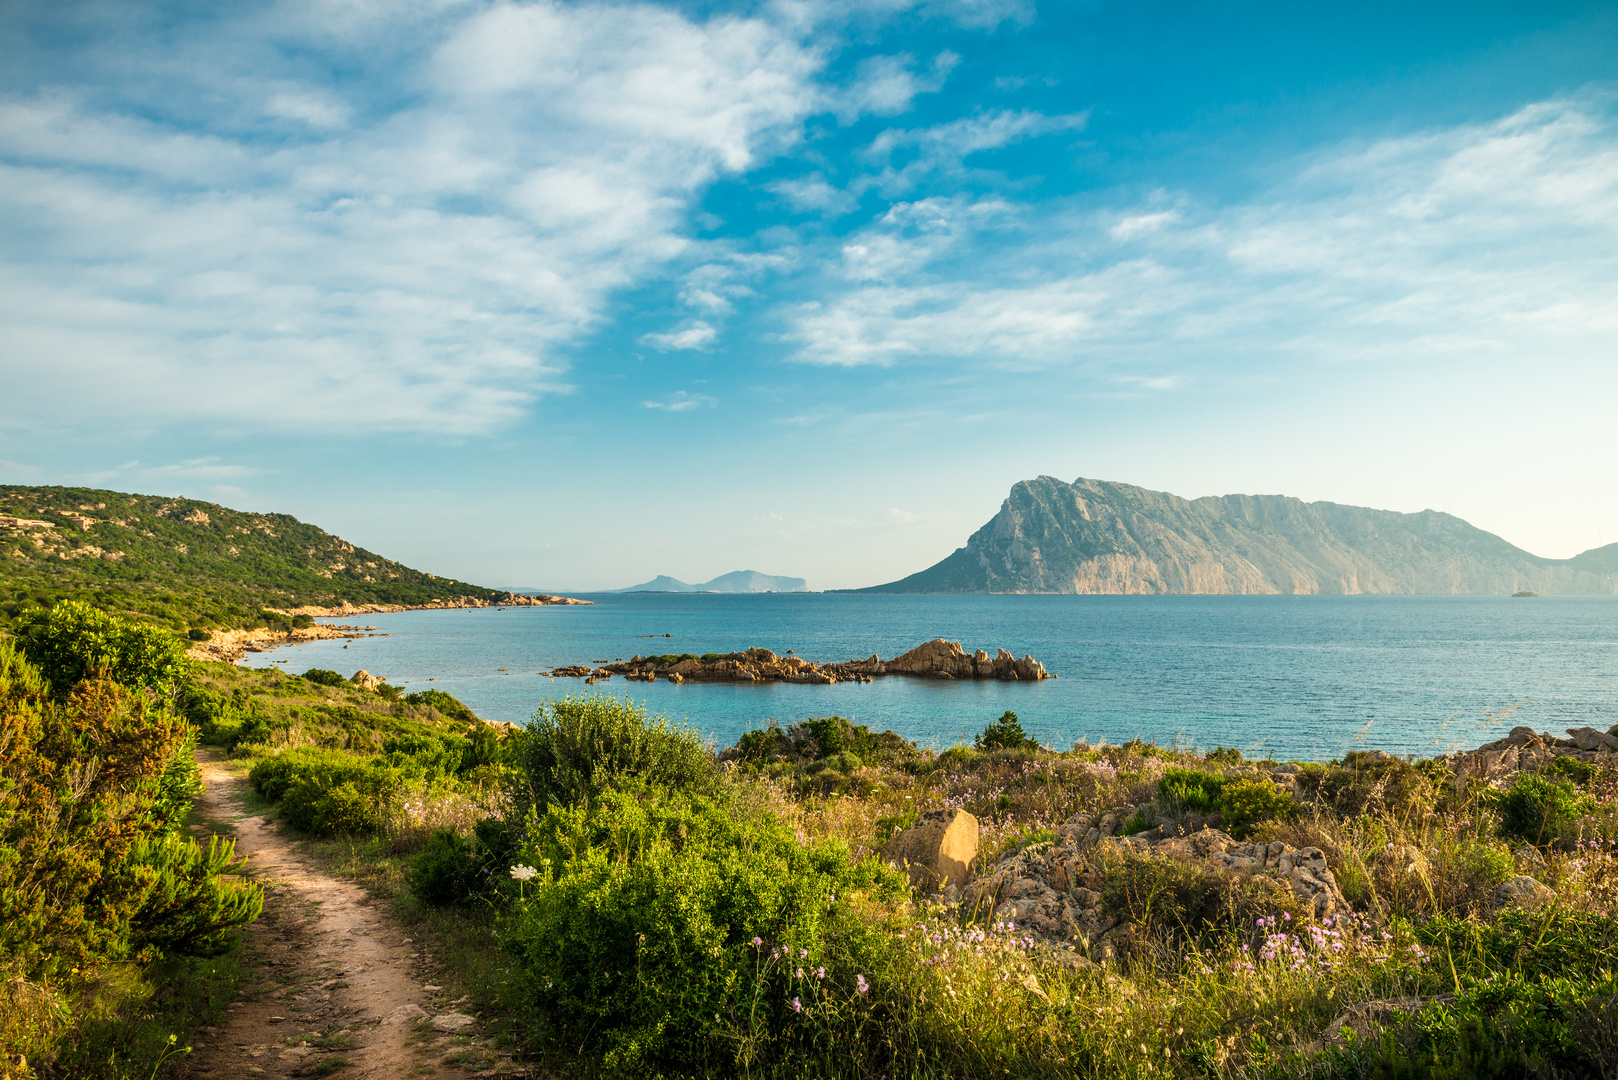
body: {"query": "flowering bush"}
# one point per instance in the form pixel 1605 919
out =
pixel 642 941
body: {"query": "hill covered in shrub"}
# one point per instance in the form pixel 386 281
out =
pixel 188 564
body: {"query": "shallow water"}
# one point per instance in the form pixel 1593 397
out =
pixel 1300 677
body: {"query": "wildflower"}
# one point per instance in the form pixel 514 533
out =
pixel 860 984
pixel 797 1006
pixel 820 972
pixel 523 873
pixel 802 953
pixel 757 942
pixel 798 974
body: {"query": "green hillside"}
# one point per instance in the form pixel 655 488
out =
pixel 187 564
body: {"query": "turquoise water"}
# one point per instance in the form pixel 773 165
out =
pixel 1296 676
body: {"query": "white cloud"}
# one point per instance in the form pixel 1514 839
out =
pixel 942 149
pixel 814 193
pixel 695 336
pixel 680 401
pixel 424 267
pixel 1467 245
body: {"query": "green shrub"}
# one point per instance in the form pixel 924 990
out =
pixel 1542 811
pixel 446 871
pixel 324 677
pixel 1567 767
pixel 1244 803
pixel 1005 733
pixel 1192 789
pixel 73 641
pixel 579 746
pixel 448 706
pixel 1224 755
pixel 637 940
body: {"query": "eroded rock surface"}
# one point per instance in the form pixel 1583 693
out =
pixel 938 851
pixel 1052 890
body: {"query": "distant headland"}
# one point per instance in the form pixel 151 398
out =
pixel 1096 536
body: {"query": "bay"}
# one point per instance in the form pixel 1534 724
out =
pixel 1294 677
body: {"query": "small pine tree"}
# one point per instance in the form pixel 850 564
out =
pixel 1005 733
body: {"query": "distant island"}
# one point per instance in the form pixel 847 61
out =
pixel 737 581
pixel 1097 536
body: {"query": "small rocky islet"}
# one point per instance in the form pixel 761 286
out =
pixel 936 659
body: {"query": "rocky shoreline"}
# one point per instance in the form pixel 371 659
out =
pixel 936 659
pixel 510 599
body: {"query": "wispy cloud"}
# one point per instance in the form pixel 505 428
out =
pixel 680 401
pixel 696 336
pixel 1478 241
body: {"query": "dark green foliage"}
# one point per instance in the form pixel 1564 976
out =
pixel 446 871
pixel 446 705
pixel 73 641
pixel 818 740
pixel 1224 755
pixel 1005 733
pixel 453 869
pixel 636 942
pixel 1567 767
pixel 185 564
pixel 1542 811
pixel 325 677
pixel 579 746
pixel 1192 789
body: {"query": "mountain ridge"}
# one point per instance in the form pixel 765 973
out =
pixel 1105 537
pixel 737 581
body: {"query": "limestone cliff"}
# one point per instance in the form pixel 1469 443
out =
pixel 1094 536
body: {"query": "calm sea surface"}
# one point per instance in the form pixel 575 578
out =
pixel 1300 677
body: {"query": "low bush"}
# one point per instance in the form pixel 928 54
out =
pixel 72 642
pixel 1567 767
pixel 1244 803
pixel 453 869
pixel 447 706
pixel 325 677
pixel 668 933
pixel 1542 811
pixel 1192 789
pixel 578 747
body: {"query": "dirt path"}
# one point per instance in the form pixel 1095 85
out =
pixel 342 987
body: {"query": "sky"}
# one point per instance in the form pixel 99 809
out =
pixel 567 295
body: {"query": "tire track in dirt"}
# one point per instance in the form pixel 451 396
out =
pixel 348 996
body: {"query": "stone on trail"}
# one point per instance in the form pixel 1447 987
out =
pixel 452 1022
pixel 937 851
pixel 406 1012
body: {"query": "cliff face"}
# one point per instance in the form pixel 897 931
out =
pixel 1092 536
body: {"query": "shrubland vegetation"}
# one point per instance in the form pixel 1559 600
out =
pixel 622 901
pixel 114 922
pixel 189 566
pixel 658 910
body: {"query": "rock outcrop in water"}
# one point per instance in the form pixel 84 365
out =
pixel 1093 536
pixel 937 659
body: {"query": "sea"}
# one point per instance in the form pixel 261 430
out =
pixel 1303 678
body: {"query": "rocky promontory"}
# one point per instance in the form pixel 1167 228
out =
pixel 936 659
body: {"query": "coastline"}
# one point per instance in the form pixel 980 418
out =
pixel 231 645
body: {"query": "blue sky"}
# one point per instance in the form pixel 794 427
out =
pixel 568 295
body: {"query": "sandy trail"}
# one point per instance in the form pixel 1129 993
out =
pixel 342 987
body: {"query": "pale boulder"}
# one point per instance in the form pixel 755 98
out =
pixel 937 851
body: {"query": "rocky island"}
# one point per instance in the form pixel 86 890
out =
pixel 936 659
